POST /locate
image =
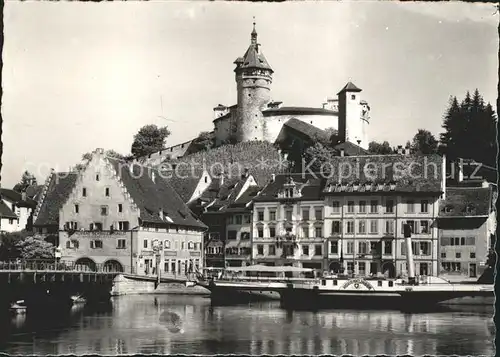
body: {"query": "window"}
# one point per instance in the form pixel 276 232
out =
pixel 91 226
pixel 470 241
pixel 238 219
pixel 260 232
pixel 84 192
pixel 362 268
pixel 260 215
pixel 120 208
pixel 389 227
pixel 410 223
pixel 231 234
pixel 350 207
pixel 449 266
pixel 443 255
pixel 77 208
pixel 272 232
pixel 318 231
pixel 245 235
pixel 120 244
pixel 335 227
pixel 336 207
pixel 472 255
pixel 145 244
pixel 230 220
pixel 362 206
pixel 350 267
pixel 374 206
pixel 272 249
pixel 374 247
pixel 97 177
pixel 318 249
pixel 425 248
pixel 305 231
pixel 387 247
pixel 353 96
pixel 166 244
pixel 123 225
pixel 362 227
pixel 305 249
pixel 166 265
pixel 350 227
pixel 106 191
pixel 72 244
pixel 96 244
pixel 362 246
pixel 373 226
pixel 350 247
pixel 260 249
pixel 288 215
pixel 318 213
pixel 334 247
pixel 462 241
pixel 183 245
pixel 104 210
pixel 389 206
pixel 98 226
pixel 424 206
pixel 247 218
pixel 305 214
pixel 458 255
pixel 272 215
pixel 424 227
pixel 410 206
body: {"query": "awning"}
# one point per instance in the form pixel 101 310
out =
pixel 265 268
pixel 245 244
pixel 232 243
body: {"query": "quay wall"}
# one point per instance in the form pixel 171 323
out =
pixel 123 285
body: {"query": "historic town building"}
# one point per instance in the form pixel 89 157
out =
pixel 125 217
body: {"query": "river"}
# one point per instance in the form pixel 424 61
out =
pixel 170 324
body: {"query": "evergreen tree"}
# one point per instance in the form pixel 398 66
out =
pixel 424 143
pixel 27 179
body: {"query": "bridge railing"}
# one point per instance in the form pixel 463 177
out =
pixel 46 265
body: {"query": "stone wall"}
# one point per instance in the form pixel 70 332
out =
pixel 123 285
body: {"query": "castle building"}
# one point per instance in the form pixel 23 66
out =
pixel 257 117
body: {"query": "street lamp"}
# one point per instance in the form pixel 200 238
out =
pixel 157 249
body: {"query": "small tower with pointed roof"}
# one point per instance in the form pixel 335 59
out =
pixel 253 82
pixel 353 116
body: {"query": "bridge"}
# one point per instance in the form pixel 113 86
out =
pixel 40 282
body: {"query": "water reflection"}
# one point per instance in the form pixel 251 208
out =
pixel 191 325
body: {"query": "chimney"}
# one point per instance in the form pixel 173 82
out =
pixel 342 152
pixel 245 174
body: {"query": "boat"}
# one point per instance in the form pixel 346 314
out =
pixel 78 299
pixel 18 307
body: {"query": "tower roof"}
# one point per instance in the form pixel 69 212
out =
pixel 350 87
pixel 253 57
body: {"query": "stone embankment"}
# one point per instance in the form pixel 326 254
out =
pixel 126 285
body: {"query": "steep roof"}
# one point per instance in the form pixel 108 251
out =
pixel 253 57
pixel 298 111
pixel 349 87
pixel 397 173
pixel 311 187
pixel 5 211
pixel 466 201
pixel 17 198
pixel 184 180
pixel 57 193
pixel 151 197
pixel 308 130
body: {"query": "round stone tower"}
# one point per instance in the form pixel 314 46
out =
pixel 253 83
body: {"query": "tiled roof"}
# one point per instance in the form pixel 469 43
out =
pixel 311 187
pixel 398 173
pixel 151 197
pixel 58 190
pixel 184 181
pixel 5 211
pixel 17 198
pixel 350 87
pixel 466 201
pixel 306 129
pixel 297 111
pixel 351 149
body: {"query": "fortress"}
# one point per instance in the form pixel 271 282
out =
pixel 256 117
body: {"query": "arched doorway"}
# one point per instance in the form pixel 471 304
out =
pixel 389 270
pixel 113 266
pixel 334 267
pixel 85 264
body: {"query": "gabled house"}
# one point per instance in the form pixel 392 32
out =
pixel 16 211
pixel 124 217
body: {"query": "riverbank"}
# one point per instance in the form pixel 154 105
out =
pixel 125 285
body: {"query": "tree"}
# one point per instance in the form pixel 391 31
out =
pixel 32 247
pixel 316 156
pixel 470 130
pixel 380 149
pixel 109 153
pixel 424 143
pixel 148 140
pixel 27 179
pixel 204 141
pixel 8 245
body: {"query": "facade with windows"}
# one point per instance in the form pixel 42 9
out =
pixel 467 224
pixel 124 217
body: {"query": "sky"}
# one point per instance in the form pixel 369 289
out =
pixel 79 76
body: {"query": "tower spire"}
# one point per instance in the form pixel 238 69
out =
pixel 254 33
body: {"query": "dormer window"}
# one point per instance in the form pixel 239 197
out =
pixel 448 208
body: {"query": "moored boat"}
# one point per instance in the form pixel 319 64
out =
pixel 18 307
